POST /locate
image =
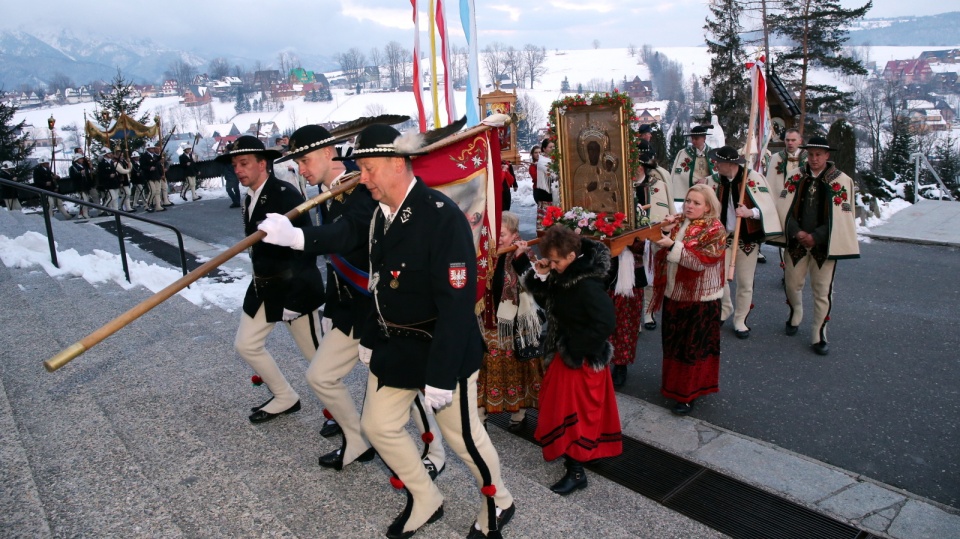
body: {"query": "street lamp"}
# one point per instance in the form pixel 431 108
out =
pixel 51 123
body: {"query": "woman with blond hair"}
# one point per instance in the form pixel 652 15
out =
pixel 505 383
pixel 688 281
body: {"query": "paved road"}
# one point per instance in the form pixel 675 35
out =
pixel 884 403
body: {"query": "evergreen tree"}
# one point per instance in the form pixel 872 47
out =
pixel 677 143
pixel 947 156
pixel 817 30
pixel 659 143
pixel 727 76
pixel 15 144
pixel 580 88
pixel 241 105
pixel 895 164
pixel 842 137
pixel 118 99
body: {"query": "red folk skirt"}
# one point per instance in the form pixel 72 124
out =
pixel 691 349
pixel 624 338
pixel 578 414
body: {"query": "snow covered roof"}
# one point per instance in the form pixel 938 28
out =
pixel 913 104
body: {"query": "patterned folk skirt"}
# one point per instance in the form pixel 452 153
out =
pixel 505 384
pixel 624 338
pixel 578 414
pixel 691 349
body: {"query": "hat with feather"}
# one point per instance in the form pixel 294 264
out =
pixel 247 144
pixel 380 140
pixel 307 139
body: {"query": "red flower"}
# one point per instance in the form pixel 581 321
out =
pixel 256 380
pixel 843 195
pixel 836 186
pixel 837 200
pixel 791 187
pixel 327 414
pixel 547 222
pixel 752 183
pixel 489 491
pixel 396 483
pixel 427 437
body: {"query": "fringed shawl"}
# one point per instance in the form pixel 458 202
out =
pixel 700 271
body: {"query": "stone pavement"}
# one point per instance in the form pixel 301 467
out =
pixel 145 436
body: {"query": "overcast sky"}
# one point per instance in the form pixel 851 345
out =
pixel 259 29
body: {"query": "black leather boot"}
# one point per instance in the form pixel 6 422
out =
pixel 575 479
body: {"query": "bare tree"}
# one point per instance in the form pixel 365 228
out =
pixel 352 63
pixel 182 72
pixel 395 57
pixel 494 59
pixel 596 43
pixel 58 83
pixel 376 61
pixel 513 60
pixel 458 67
pixel 218 68
pixel 534 59
pixel 375 109
pixel 632 50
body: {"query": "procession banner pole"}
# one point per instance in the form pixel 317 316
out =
pixel 743 175
pixel 71 352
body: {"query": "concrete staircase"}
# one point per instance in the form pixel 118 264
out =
pixel 146 434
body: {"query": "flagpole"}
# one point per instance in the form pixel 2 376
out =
pixel 434 91
pixel 469 22
pixel 417 80
pixel 743 175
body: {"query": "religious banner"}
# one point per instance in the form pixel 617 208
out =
pixel 468 171
pixel 500 102
pixel 122 128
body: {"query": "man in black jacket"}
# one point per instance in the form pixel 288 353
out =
pixel 82 175
pixel 287 285
pixel 151 166
pixel 424 333
pixel 44 178
pixel 190 171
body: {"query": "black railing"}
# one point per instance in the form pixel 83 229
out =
pixel 45 204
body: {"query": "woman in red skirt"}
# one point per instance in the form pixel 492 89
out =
pixel 689 282
pixel 579 419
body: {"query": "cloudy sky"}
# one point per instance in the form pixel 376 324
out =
pixel 259 29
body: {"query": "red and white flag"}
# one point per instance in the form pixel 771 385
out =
pixel 758 146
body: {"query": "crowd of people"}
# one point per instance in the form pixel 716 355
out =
pixel 556 333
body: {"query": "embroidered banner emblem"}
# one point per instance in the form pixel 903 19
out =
pixel 458 275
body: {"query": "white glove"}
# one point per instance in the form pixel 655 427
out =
pixel 437 398
pixel 365 354
pixel 326 325
pixel 289 315
pixel 280 231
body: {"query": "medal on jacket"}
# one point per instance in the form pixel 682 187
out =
pixel 394 283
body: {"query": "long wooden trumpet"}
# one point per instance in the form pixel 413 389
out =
pixel 108 329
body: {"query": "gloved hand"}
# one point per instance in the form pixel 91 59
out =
pixel 326 325
pixel 437 398
pixel 280 231
pixel 289 315
pixel 365 354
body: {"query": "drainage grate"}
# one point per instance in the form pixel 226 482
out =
pixel 719 501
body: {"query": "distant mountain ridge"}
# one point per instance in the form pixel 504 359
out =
pixel 941 30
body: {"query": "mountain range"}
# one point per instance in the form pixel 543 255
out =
pixel 32 59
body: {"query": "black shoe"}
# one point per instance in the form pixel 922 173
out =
pixel 745 334
pixel 261 416
pixel 334 459
pixel 683 408
pixel 235 205
pixel 163 209
pixel 821 348
pixel 330 428
pixel 575 479
pixel 432 469
pixel 761 259
pixel 167 205
pixel 257 408
pixel 149 210
pixel 502 520
pixel 395 531
pixel 619 375
pixel 516 425
pixel 198 198
pixel 791 330
pixel 650 326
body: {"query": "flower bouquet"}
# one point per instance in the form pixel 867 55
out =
pixel 608 228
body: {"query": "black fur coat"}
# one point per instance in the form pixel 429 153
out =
pixel 580 314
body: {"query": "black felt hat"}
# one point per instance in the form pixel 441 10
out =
pixel 726 154
pixel 307 139
pixel 818 143
pixel 247 144
pixel 648 159
pixel 645 128
pixel 381 140
pixel 699 131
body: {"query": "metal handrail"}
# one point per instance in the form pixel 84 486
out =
pixel 116 215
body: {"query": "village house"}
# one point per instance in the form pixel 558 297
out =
pixel 639 90
pixel 949 56
pixel 908 71
pixel 194 96
pixel 170 87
